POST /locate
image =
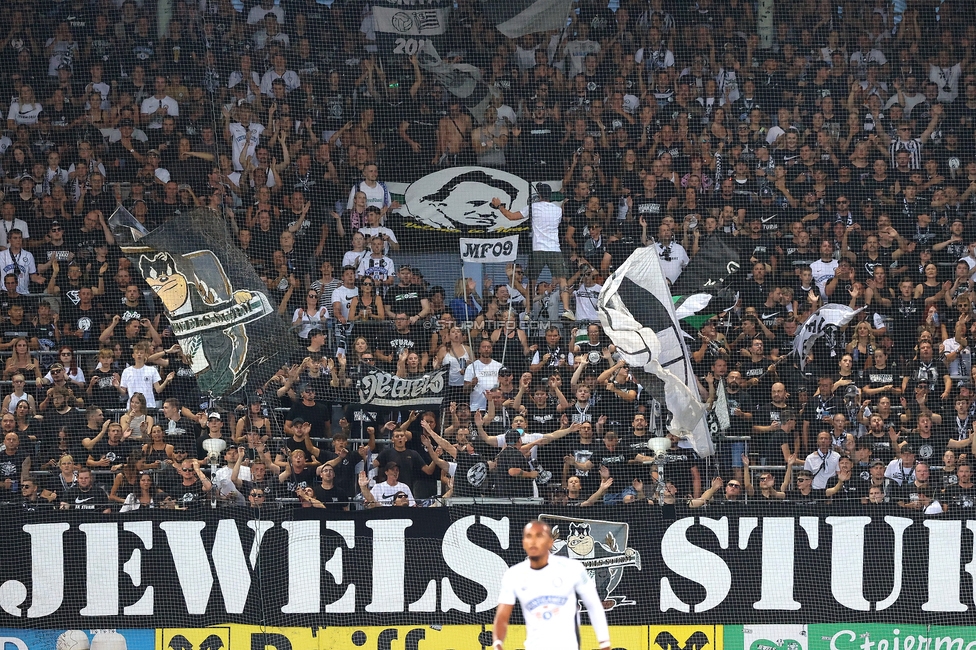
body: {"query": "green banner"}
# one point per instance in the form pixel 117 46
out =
pixel 885 636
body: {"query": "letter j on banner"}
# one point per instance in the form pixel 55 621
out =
pixel 489 251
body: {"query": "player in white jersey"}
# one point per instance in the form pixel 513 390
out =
pixel 548 587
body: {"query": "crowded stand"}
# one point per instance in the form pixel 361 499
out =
pixel 832 151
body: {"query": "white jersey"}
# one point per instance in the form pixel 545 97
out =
pixel 242 137
pixel 548 597
pixel 344 295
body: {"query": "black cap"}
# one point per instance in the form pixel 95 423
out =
pixel 908 449
pixel 505 372
pixel 297 422
pixel 390 465
pixel 765 193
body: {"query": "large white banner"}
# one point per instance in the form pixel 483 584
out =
pixel 489 251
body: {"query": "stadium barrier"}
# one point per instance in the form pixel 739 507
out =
pixel 441 567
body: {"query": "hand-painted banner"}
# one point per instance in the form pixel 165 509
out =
pixel 893 572
pixel 216 305
pixel 489 251
pixel 384 389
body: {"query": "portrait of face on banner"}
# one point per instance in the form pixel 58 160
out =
pixel 458 200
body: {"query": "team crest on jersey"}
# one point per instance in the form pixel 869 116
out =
pixel 602 548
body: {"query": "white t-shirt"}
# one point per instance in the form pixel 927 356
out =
pixel 487 374
pixel 586 302
pixel 152 105
pixel 24 261
pixel 141 380
pixel 823 272
pixel 238 134
pixel 290 78
pixel 353 258
pixel 384 492
pixel 378 196
pixel 24 114
pixel 7 226
pixel 679 260
pixel 822 466
pixel 344 296
pixel 370 232
pixel 545 225
pixel 548 598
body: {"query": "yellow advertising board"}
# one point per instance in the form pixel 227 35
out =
pixel 405 637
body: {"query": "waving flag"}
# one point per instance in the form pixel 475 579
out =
pixel 515 18
pixel 830 317
pixel 637 314
pixel 216 305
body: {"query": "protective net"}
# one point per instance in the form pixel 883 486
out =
pixel 309 307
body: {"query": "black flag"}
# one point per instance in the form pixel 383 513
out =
pixel 217 306
pixel 710 270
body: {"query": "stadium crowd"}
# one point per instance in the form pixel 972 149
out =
pixel 838 160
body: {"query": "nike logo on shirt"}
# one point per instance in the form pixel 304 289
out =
pixel 80 500
pixel 766 316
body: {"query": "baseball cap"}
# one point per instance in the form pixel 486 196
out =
pixel 908 449
pixel 765 193
pixel 214 415
pixel 297 422
pixel 505 372
pixel 152 152
pixel 390 465
pixel 877 462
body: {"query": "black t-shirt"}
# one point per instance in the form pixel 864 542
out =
pixel 94 498
pixel 617 461
pixel 86 320
pixel 103 393
pixel 471 475
pixel 880 447
pixel 960 497
pixel 815 497
pixel 409 461
pixel 412 341
pixel 189 496
pixel 909 492
pixel 332 498
pixel 305 478
pixel 851 490
pixel 927 450
pixel 116 454
pixel 317 415
pixel 405 299
pixel 12 464
pixel 512 486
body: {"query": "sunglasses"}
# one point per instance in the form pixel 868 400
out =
pixel 734 485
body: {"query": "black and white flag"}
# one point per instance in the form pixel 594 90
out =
pixel 384 389
pixel 515 18
pixel 637 314
pixel 216 305
pixel 831 316
pixel 401 28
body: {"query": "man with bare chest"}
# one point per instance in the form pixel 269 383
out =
pixel 453 137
